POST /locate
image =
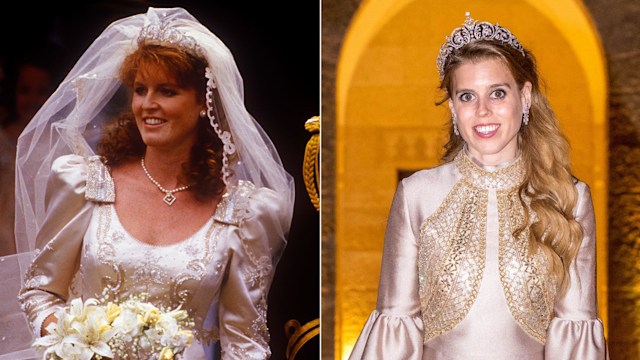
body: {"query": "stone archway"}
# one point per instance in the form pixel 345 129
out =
pixel 387 122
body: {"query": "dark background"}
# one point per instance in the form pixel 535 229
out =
pixel 277 49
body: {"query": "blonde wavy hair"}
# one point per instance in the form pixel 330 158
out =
pixel 549 186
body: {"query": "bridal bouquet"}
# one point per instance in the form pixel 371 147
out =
pixel 96 329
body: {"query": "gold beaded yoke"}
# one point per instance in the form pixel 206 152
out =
pixel 452 246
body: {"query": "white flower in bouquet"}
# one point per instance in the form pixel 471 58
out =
pixel 172 335
pixel 81 332
pixel 127 323
pixel 93 330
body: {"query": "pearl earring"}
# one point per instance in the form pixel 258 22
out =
pixel 203 113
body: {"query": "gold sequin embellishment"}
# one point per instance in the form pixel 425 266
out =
pixel 452 251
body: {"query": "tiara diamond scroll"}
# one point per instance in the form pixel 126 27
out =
pixel 471 31
pixel 163 34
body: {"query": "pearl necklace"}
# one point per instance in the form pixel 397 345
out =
pixel 168 198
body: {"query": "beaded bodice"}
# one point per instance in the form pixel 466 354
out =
pixel 452 250
pixel 220 274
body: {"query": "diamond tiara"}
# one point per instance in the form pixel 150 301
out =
pixel 163 34
pixel 472 31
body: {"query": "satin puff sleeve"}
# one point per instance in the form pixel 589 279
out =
pixel 394 330
pixel 59 240
pixel 576 332
pixel 243 297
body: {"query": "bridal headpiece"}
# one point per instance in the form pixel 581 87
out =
pixel 472 31
pixel 161 32
pixel 91 95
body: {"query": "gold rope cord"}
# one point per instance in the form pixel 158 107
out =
pixel 299 335
pixel 310 165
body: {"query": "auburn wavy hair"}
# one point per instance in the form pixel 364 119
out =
pixel 549 185
pixel 121 141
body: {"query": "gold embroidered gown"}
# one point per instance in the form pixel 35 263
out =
pixel 225 266
pixel 456 284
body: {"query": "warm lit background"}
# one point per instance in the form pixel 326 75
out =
pixel 385 122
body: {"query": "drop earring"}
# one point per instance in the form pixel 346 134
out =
pixel 525 116
pixel 455 124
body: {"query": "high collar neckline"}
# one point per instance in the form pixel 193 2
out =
pixel 504 176
pixel 490 167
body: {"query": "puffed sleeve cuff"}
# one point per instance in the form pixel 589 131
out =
pixel 576 339
pixel 40 318
pixel 390 337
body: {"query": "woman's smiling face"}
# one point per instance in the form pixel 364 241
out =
pixel 488 108
pixel 166 113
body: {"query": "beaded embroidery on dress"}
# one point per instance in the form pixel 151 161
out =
pixel 451 256
pixel 190 273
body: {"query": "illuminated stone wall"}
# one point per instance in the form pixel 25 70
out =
pixel 617 22
pixel 336 16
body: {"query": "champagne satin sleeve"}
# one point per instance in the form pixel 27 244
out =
pixel 394 330
pixel 59 239
pixel 576 332
pixel 243 296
